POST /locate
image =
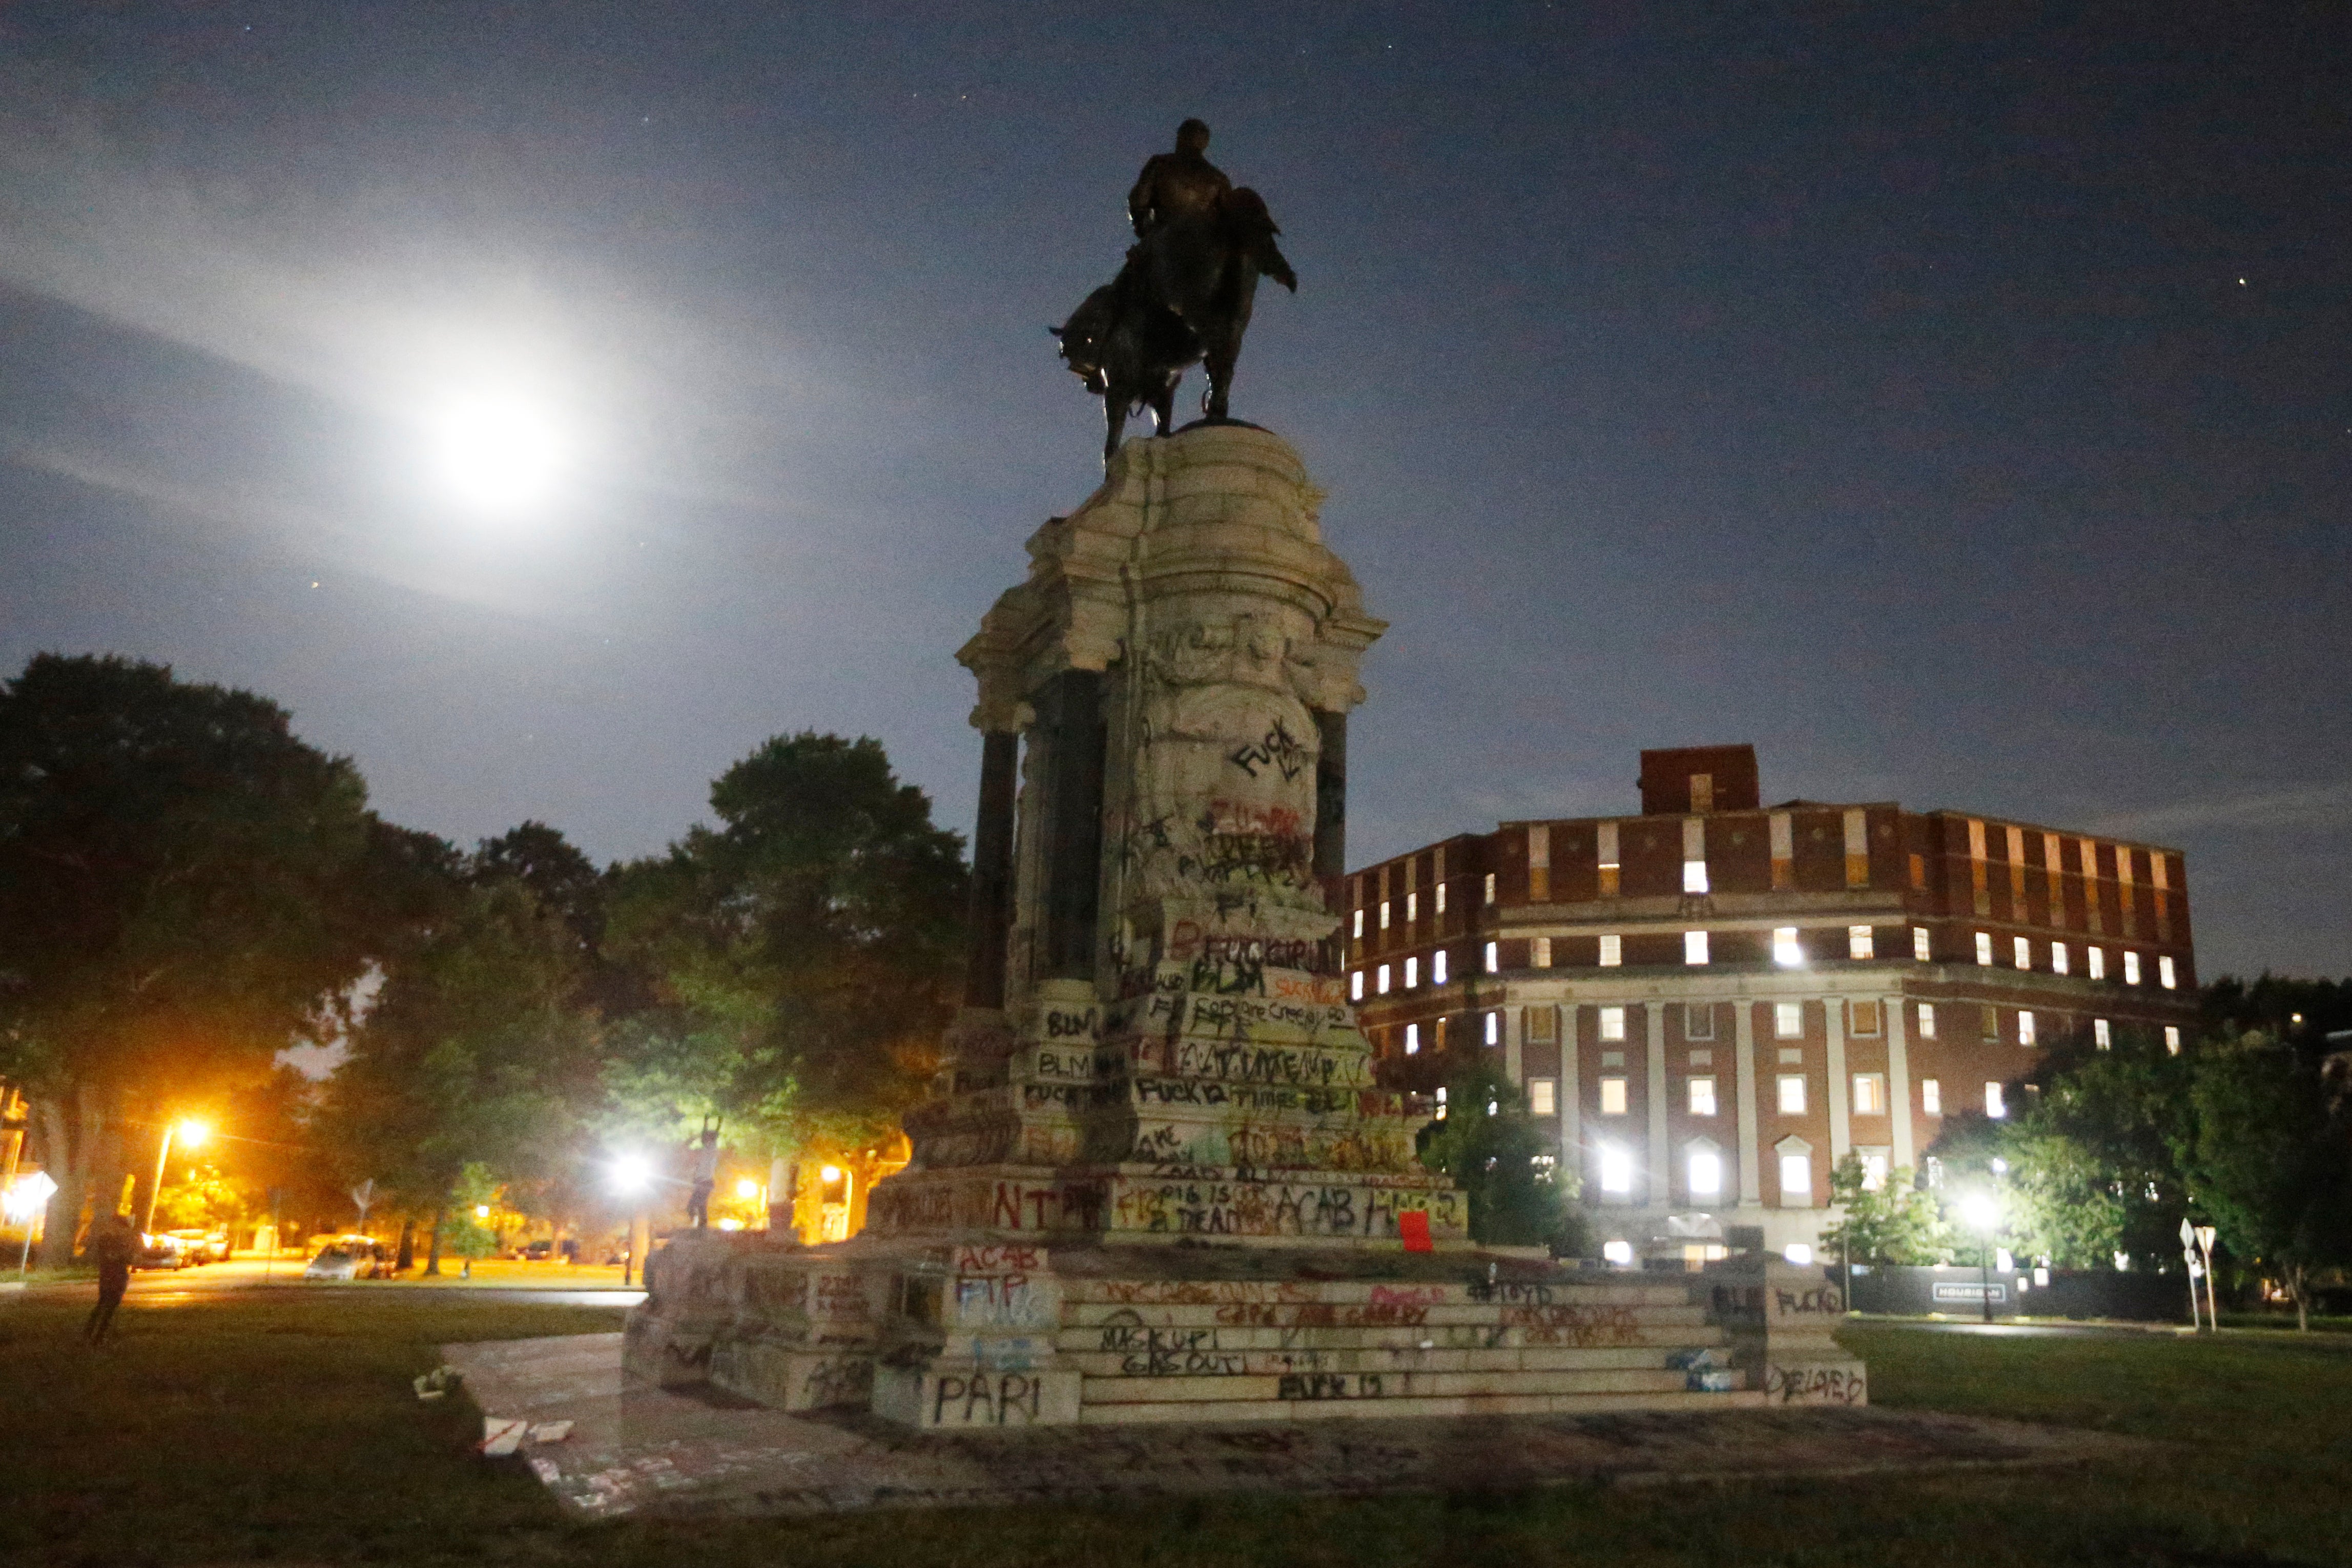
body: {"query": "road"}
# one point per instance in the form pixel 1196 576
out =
pixel 544 1284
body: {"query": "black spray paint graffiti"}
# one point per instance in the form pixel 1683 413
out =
pixel 1279 749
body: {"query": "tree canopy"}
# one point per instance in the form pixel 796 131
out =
pixel 185 889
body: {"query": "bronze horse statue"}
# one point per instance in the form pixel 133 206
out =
pixel 1184 298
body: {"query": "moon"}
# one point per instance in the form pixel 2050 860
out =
pixel 496 451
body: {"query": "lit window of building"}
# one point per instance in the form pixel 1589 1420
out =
pixel 1874 1165
pixel 2058 962
pixel 1931 1096
pixel 1494 1028
pixel 1612 1022
pixel 1613 950
pixel 1437 967
pixel 1995 1106
pixel 1616 1168
pixel 2095 961
pixel 1869 1094
pixel 1858 942
pixel 1702 1096
pixel 1787 950
pixel 1356 986
pixel 1385 914
pixel 2102 1034
pixel 1490 886
pixel 1920 948
pixel 1693 947
pixel 1380 983
pixel 1360 925
pixel 1440 897
pixel 1413 1039
pixel 1605 851
pixel 1866 1016
pixel 1694 876
pixel 1705 1170
pixel 1412 908
pixel 1411 972
pixel 2021 951
pixel 2166 975
pixel 1612 1097
pixel 2024 1027
pixel 1543 1097
pixel 1542 955
pixel 2131 969
pixel 1927 1020
pixel 2173 1039
pixel 1788 1020
pixel 1984 949
pixel 1792 1094
pixel 1796 1178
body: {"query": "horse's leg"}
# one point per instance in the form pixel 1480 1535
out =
pixel 1115 421
pixel 1224 348
pixel 1163 405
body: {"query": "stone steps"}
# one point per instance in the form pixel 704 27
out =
pixel 1228 1362
pixel 1131 1338
pixel 1204 1411
pixel 1082 1291
pixel 1376 1385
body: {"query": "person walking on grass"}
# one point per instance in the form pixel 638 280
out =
pixel 112 1246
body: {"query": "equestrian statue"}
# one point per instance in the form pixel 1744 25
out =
pixel 1185 294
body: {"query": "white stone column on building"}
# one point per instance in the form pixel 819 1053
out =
pixel 1743 1036
pixel 1661 1162
pixel 1898 1077
pixel 1841 1112
pixel 1572 1092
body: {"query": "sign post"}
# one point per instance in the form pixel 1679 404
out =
pixel 2189 1251
pixel 2205 1235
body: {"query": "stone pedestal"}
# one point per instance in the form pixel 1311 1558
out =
pixel 1781 1318
pixel 1157 1180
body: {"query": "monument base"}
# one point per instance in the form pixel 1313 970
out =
pixel 989 1335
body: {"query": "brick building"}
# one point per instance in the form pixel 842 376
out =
pixel 1715 1001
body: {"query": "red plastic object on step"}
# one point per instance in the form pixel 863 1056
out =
pixel 1412 1224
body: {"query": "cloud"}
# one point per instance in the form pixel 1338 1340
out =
pixel 2313 807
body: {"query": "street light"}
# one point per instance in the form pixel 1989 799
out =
pixel 192 1133
pixel 1981 1213
pixel 631 1175
pixel 24 1201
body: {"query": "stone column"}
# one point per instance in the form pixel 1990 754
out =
pixel 1571 1087
pixel 1899 1077
pixel 1069 713
pixel 992 870
pixel 1841 1112
pixel 1751 1176
pixel 1662 1160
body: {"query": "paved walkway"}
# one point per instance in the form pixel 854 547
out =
pixel 647 1451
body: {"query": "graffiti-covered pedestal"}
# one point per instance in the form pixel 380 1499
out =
pixel 1157 1179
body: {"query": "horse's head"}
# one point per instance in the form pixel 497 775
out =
pixel 1085 338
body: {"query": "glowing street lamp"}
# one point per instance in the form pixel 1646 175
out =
pixel 191 1132
pixel 25 1198
pixel 1980 1211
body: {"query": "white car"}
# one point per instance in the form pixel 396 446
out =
pixel 349 1257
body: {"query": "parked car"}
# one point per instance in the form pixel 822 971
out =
pixel 161 1252
pixel 203 1246
pixel 350 1258
pixel 539 1251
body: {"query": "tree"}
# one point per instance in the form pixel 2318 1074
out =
pixel 2094 1158
pixel 1895 1222
pixel 1498 1154
pixel 476 1051
pixel 2270 1160
pixel 801 958
pixel 185 890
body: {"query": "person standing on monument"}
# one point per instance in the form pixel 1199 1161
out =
pixel 113 1246
pixel 704 1178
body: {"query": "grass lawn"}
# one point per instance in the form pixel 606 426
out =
pixel 247 1430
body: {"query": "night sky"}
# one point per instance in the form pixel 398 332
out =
pixel 1953 404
